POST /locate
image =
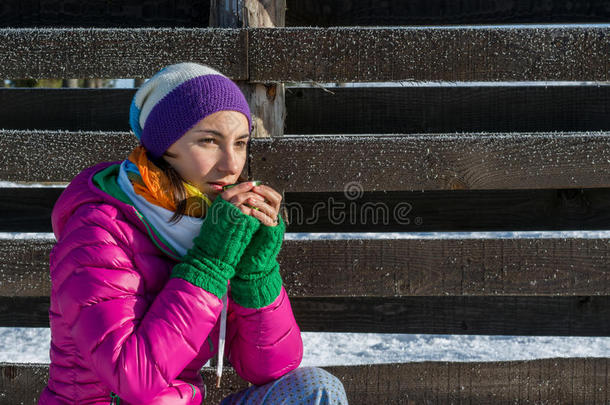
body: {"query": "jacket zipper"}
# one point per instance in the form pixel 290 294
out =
pixel 114 397
pixel 160 245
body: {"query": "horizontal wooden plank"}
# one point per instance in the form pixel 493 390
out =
pixel 327 13
pixel 24 266
pixel 424 267
pixel 373 110
pixel 466 161
pixel 498 315
pixel 432 162
pixel 346 54
pixel 64 153
pixel 316 54
pixel 30 312
pixel 548 381
pixel 449 211
pixel 377 110
pixel 94 13
pixel 66 109
pixel 29 210
pixel 466 315
pixel 118 52
pixel 391 267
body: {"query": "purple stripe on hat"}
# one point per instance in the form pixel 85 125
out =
pixel 185 106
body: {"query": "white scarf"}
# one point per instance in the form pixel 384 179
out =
pixel 179 235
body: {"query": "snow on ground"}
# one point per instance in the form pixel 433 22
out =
pixel 325 349
pixel 31 345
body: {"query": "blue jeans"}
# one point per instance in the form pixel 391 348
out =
pixel 303 386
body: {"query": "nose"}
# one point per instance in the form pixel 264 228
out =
pixel 230 162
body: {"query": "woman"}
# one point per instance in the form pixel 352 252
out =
pixel 148 248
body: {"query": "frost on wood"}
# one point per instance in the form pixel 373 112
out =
pixel 442 267
pixel 434 162
pixel 24 267
pixel 430 54
pixel 391 268
pixel 315 54
pixel 57 156
pixel 121 52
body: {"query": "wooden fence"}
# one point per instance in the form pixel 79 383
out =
pixel 488 156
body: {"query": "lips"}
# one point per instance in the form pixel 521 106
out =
pixel 217 186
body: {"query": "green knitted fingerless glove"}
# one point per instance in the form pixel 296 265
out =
pixel 224 235
pixel 257 282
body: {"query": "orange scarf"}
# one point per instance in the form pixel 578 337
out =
pixel 154 185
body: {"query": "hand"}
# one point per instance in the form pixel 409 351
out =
pixel 224 235
pixel 257 281
pixel 247 197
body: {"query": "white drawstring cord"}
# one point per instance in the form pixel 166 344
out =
pixel 221 340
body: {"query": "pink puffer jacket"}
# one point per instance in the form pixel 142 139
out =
pixel 120 324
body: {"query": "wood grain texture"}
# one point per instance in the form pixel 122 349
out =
pixel 24 267
pixel 470 315
pixel 118 52
pixel 391 267
pixel 453 315
pixel 480 161
pixel 364 110
pixel 379 110
pixel 315 54
pixel 64 154
pixel 28 209
pixel 548 381
pixel 449 210
pixel 66 109
pixel 460 267
pixel 327 13
pixel 345 54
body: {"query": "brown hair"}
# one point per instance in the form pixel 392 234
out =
pixel 176 188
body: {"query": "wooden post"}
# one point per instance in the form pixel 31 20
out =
pixel 225 13
pixel 266 100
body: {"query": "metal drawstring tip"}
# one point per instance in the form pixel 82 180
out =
pixel 218 381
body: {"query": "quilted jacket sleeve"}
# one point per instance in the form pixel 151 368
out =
pixel 137 344
pixel 263 344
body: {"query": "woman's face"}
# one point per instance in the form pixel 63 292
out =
pixel 213 151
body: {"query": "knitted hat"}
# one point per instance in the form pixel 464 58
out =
pixel 171 102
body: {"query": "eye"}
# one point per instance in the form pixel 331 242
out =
pixel 242 144
pixel 205 140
